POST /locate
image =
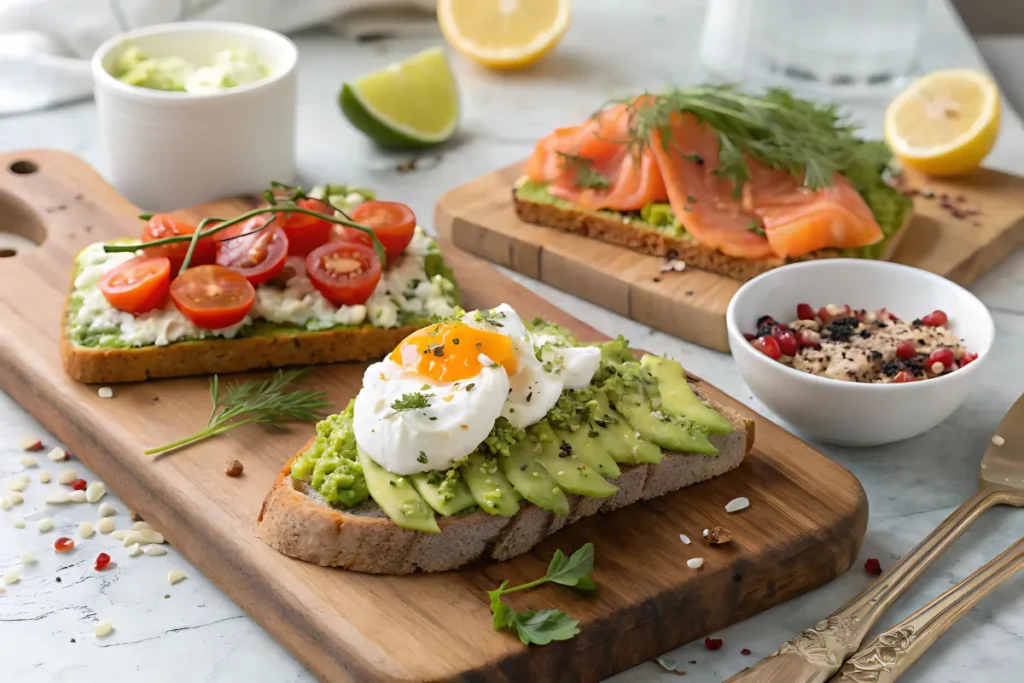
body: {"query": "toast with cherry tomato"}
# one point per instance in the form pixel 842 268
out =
pixel 333 275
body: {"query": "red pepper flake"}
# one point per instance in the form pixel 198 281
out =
pixel 745 651
pixel 63 544
pixel 713 643
pixel 872 566
pixel 102 560
pixel 78 484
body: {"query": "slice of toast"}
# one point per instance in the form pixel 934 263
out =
pixel 610 227
pixel 96 365
pixel 296 521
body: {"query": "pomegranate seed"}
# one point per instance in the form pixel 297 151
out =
pixel 63 544
pixel 943 355
pixel 810 339
pixel 78 484
pixel 903 376
pixel 804 312
pixel 102 560
pixel 872 566
pixel 967 358
pixel 745 651
pixel 787 342
pixel 906 350
pixel 713 643
pixel 935 319
pixel 768 346
pixel 824 316
pixel 748 336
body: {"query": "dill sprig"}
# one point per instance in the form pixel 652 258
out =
pixel 269 403
pixel 584 171
pixel 808 140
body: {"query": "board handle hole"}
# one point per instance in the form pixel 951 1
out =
pixel 8 253
pixel 21 230
pixel 23 167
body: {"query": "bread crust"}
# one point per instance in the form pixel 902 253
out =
pixel 94 365
pixel 608 228
pixel 295 521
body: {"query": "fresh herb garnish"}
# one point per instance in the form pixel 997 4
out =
pixel 809 140
pixel 756 228
pixel 413 401
pixel 269 403
pixel 540 627
pixel 422 458
pixel 586 176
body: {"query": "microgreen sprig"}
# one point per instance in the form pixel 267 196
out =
pixel 269 403
pixel 275 207
pixel 540 627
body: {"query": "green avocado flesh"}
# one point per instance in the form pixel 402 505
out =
pixel 889 207
pixel 631 414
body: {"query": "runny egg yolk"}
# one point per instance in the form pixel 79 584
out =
pixel 448 352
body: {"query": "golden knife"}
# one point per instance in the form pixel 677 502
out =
pixel 890 654
pixel 817 653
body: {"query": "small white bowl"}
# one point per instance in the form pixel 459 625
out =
pixel 850 413
pixel 170 150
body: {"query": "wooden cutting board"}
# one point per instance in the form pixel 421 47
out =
pixel 479 218
pixel 804 527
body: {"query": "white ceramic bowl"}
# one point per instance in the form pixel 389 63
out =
pixel 170 150
pixel 849 413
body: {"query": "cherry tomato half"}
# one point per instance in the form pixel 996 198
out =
pixel 257 254
pixel 306 233
pixel 139 285
pixel 344 233
pixel 392 222
pixel 213 297
pixel 346 273
pixel 163 225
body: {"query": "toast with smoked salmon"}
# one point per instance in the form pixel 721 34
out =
pixel 723 181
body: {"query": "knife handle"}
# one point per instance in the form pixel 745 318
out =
pixel 825 647
pixel 889 655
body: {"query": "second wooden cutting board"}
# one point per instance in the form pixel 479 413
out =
pixel 804 526
pixel 479 218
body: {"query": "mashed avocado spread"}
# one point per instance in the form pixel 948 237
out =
pixel 228 69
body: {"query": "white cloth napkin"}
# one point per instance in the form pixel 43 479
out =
pixel 45 45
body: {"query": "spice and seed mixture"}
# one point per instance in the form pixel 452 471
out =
pixel 841 343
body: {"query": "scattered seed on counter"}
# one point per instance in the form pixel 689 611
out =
pixel 143 537
pixel 234 469
pixel 67 476
pixel 695 562
pixel 28 462
pixel 78 496
pixel 5 503
pixel 58 497
pixel 44 525
pixel 998 440
pixel 26 557
pixel 16 498
pixel 30 443
pixel 105 525
pixel 737 504
pixel 134 550
pixel 103 628
pixel 105 392
pixel 140 525
pixel 57 454
pixel 64 544
pixel 684 538
pixel 155 550
pixel 45 477
pixel 119 534
pixel 79 484
pixel 873 566
pixel 13 576
pixel 19 523
pixel 102 562
pixel 106 510
pixel 95 491
pixel 176 575
pixel 86 529
pixel 713 643
pixel 18 484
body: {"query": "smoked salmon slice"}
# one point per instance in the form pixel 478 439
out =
pixel 773 216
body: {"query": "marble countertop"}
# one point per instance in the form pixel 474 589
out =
pixel 192 632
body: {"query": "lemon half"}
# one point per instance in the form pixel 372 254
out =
pixel 503 34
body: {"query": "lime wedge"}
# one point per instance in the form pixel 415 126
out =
pixel 414 103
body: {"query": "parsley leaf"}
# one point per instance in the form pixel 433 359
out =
pixel 540 627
